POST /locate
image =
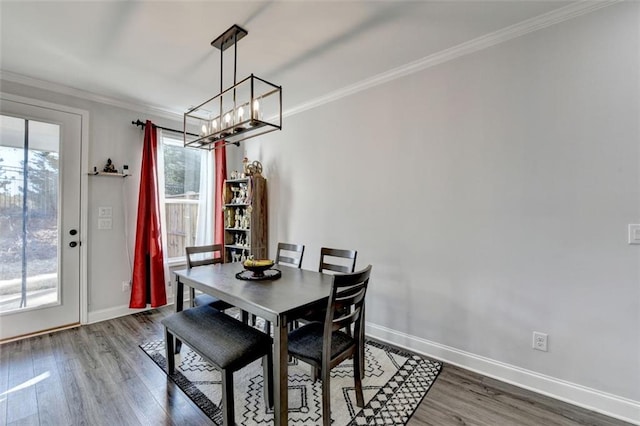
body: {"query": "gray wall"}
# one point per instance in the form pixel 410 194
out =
pixel 491 194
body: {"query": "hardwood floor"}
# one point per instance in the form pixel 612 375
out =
pixel 97 375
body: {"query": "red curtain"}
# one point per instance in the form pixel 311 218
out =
pixel 221 175
pixel 148 286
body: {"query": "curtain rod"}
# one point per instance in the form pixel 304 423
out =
pixel 142 124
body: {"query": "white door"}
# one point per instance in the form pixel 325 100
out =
pixel 40 160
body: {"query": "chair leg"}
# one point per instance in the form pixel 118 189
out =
pixel 360 353
pixel 357 378
pixel 169 351
pixel 192 296
pixel 228 415
pixel 326 397
pixel 362 347
pixel 178 345
pixel 267 327
pixel 267 374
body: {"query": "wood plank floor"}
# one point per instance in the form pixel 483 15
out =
pixel 97 375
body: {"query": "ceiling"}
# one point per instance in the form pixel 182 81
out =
pixel 158 53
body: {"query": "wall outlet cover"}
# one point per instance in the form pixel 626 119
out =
pixel 105 211
pixel 634 233
pixel 105 223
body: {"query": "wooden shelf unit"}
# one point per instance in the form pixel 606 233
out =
pixel 255 235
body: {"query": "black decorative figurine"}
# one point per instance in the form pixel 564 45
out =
pixel 109 167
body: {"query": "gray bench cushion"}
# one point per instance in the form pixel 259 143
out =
pixel 225 341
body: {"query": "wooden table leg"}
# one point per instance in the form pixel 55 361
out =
pixel 178 302
pixel 280 372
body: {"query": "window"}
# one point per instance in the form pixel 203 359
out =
pixel 185 175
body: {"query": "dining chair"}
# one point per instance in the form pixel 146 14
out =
pixel 290 255
pixel 334 260
pixel 324 345
pixel 209 255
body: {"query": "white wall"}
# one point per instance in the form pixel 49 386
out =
pixel 492 195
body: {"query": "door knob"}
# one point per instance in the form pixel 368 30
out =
pixel 73 232
pixel 73 243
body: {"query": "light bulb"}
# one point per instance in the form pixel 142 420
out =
pixel 204 130
pixel 240 113
pixel 227 118
pixel 214 125
pixel 256 108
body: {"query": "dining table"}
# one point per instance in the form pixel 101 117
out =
pixel 280 301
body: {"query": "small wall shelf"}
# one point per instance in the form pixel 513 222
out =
pixel 122 175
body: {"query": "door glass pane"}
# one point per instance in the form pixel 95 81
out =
pixel 29 189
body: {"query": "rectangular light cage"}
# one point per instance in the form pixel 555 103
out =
pixel 247 109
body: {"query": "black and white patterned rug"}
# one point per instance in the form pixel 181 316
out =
pixel 394 384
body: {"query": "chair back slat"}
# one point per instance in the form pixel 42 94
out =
pixel 346 305
pixel 216 251
pixel 337 260
pixel 290 254
pixel 346 320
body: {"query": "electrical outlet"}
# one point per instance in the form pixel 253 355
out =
pixel 126 286
pixel 540 341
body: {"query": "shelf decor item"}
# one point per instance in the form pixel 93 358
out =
pixel 248 108
pixel 109 167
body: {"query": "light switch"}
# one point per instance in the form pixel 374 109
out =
pixel 105 211
pixel 105 223
pixel 634 233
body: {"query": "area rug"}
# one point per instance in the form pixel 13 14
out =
pixel 394 384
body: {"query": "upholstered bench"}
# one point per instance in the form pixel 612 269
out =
pixel 225 343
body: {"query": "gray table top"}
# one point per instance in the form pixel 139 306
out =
pixel 270 299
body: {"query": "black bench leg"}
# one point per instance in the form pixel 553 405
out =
pixel 227 398
pixel 170 355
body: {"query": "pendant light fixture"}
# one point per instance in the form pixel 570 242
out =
pixel 248 108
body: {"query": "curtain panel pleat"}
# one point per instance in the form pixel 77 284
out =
pixel 148 284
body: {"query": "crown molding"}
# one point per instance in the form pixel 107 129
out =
pixel 488 40
pixel 86 95
pixel 545 20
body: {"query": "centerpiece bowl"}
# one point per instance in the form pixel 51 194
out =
pixel 258 266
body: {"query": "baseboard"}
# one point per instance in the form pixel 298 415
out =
pixel 591 399
pixel 121 311
pixel 111 313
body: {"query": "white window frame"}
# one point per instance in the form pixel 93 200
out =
pixel 205 199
